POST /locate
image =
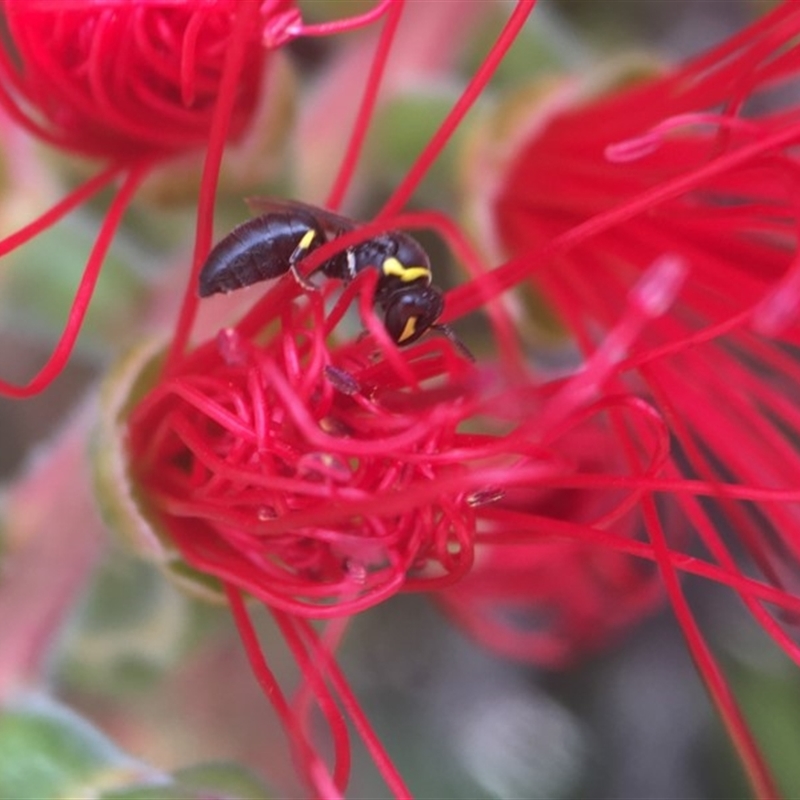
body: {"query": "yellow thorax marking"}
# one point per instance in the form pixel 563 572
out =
pixel 391 266
pixel 305 242
pixel 409 330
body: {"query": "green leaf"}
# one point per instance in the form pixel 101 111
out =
pixel 402 127
pixel 48 752
pixel 40 280
pixel 220 781
pixel 134 626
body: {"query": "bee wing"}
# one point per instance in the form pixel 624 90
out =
pixel 332 223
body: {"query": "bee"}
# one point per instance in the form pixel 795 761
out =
pixel 272 244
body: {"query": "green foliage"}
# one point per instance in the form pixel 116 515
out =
pixel 55 259
pixel 48 751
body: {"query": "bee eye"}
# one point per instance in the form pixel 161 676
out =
pixel 409 314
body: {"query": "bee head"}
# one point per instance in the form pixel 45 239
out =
pixel 409 312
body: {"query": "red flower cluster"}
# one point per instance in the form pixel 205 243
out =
pixel 699 163
pixel 126 80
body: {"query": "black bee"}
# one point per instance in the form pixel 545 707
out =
pixel 271 245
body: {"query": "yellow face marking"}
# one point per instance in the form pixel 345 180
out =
pixel 409 330
pixel 305 242
pixel 391 266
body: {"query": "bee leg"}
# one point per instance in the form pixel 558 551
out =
pixel 306 284
pixel 342 380
pixel 450 334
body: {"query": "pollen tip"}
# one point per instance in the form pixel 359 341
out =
pixel 778 309
pixel 282 28
pixel 658 288
pixel 632 149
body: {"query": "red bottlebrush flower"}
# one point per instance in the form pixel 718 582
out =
pixel 698 163
pixel 125 79
pixel 285 466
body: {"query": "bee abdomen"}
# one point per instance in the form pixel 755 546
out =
pixel 258 250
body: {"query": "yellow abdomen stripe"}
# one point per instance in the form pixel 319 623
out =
pixel 305 242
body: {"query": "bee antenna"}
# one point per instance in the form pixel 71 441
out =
pixel 450 334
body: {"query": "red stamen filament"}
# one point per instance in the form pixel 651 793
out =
pixel 367 107
pixel 234 60
pixel 508 35
pixel 58 359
